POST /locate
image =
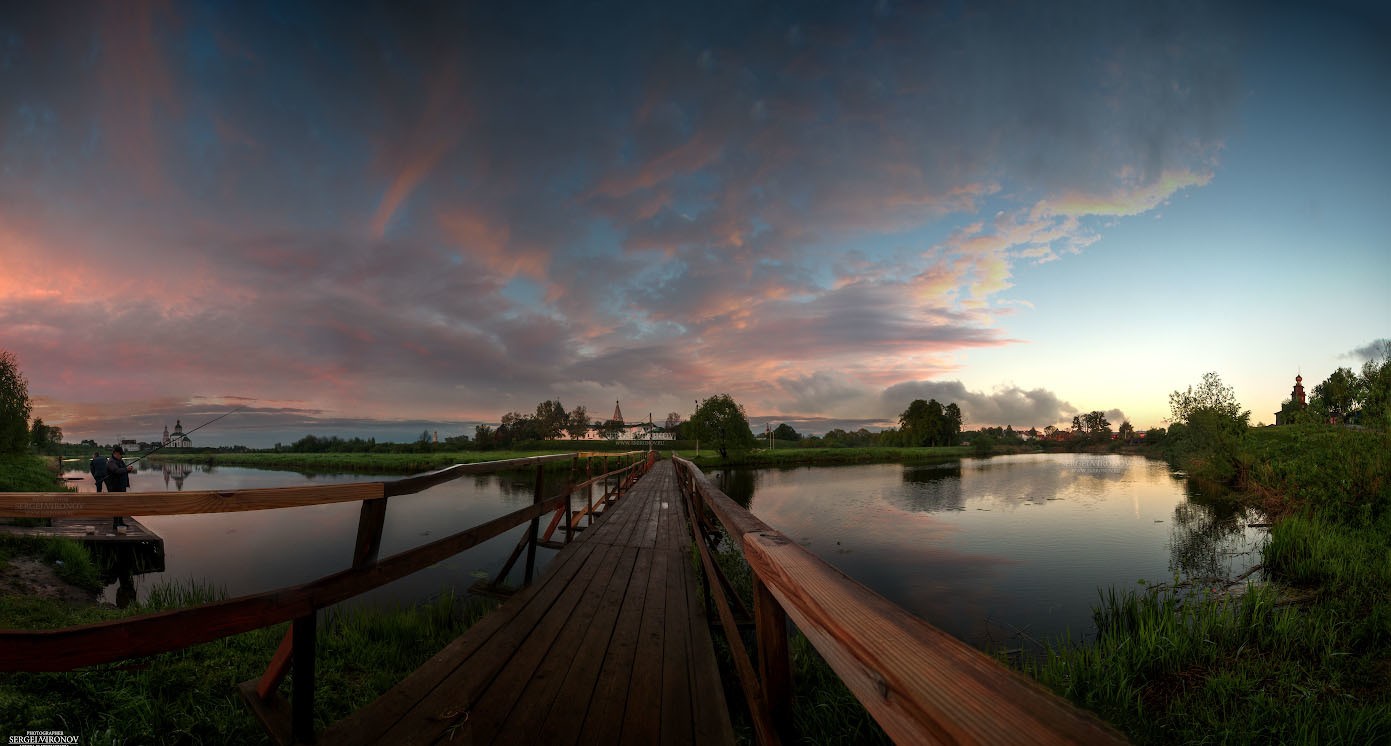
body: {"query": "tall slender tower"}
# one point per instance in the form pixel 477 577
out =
pixel 1297 394
pixel 617 412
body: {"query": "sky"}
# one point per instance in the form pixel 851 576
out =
pixel 378 219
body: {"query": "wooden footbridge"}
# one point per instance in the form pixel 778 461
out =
pixel 612 644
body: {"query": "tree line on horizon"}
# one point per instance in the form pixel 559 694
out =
pixel 1208 413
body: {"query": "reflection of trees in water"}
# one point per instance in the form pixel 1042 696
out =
pixel 930 488
pixel 739 484
pixel 1208 535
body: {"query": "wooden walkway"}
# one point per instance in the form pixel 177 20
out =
pixel 609 646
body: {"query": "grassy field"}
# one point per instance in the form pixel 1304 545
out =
pixel 27 474
pixel 1303 659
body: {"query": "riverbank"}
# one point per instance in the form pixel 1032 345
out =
pixel 1304 657
pixel 28 474
pixel 414 463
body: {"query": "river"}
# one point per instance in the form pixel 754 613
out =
pixel 1001 552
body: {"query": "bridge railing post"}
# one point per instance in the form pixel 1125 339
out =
pixel 589 491
pixel 774 661
pixel 535 533
pixel 302 697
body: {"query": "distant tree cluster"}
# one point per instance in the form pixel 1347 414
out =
pixel 928 423
pixel 551 421
pixel 1346 397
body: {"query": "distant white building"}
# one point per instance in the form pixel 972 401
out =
pixel 176 439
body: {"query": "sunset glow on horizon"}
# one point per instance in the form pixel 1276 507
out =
pixel 354 220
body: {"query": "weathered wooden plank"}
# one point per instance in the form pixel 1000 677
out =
pixel 709 708
pixel 561 724
pixel 456 697
pixel 103 642
pixel 677 727
pixel 642 716
pixel 919 683
pixel 518 701
pixel 370 724
pixel 604 722
pixel 77 530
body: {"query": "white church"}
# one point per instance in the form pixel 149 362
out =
pixel 176 439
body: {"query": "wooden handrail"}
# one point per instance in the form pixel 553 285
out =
pixel 107 504
pixel 919 683
pixel 161 632
pixel 104 642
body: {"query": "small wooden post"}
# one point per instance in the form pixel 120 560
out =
pixel 302 698
pixel 369 532
pixel 774 665
pixel 535 529
pixel 569 493
pixel 589 491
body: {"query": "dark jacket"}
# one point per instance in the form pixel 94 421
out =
pixel 117 475
pixel 98 468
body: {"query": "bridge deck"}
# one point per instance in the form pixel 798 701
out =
pixel 609 646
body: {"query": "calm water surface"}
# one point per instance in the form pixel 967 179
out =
pixel 261 550
pixel 1000 552
pixel 1006 551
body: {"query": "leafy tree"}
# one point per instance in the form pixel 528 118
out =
pixel 517 428
pixel 1126 431
pixel 1155 436
pixel 1050 431
pixel 1376 390
pixel 14 406
pixel 1210 394
pixel 1208 427
pixel 577 424
pixel 1340 395
pixel 673 421
pixel 786 432
pixel 551 420
pixel 954 421
pixel 484 436
pixel 611 429
pixel 1077 428
pixel 1096 425
pixel 722 423
pixel 928 423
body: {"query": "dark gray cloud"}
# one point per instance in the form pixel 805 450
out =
pixel 1379 349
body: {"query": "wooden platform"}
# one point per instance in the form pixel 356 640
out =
pixel 609 646
pixel 77 529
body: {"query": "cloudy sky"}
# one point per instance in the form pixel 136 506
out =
pixel 371 221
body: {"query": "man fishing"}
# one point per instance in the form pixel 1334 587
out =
pixel 98 468
pixel 118 480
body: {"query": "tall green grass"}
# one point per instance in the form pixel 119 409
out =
pixel 69 559
pixel 25 473
pixel 190 697
pixel 1305 659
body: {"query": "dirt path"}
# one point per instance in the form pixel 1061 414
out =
pixel 26 576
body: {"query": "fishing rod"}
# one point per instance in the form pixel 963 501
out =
pixel 194 430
